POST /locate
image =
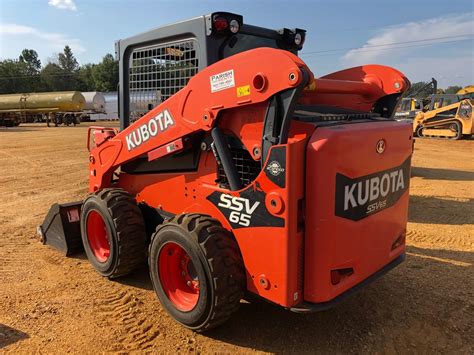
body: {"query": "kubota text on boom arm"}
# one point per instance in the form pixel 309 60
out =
pixel 246 78
pixel 243 79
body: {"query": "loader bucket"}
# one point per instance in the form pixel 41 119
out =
pixel 61 228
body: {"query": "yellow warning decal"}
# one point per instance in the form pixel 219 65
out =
pixel 243 90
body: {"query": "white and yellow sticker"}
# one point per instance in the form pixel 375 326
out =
pixel 222 81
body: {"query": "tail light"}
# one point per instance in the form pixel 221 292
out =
pixel 220 24
pixel 224 23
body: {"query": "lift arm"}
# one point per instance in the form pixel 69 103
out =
pixel 251 77
pixel 247 78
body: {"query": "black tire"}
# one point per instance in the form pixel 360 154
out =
pixel 125 232
pixel 217 264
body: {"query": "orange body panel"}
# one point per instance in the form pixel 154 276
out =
pixel 355 88
pixel 272 253
pixel 283 221
pixel 332 242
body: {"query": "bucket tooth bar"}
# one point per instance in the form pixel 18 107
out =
pixel 243 79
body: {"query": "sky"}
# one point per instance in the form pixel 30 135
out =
pixel 423 39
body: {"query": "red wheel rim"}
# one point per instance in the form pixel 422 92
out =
pixel 98 236
pixel 178 277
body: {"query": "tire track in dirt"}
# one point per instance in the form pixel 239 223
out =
pixel 12 258
pixel 414 236
pixel 54 258
pixel 121 310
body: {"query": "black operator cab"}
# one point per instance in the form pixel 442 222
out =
pixel 156 64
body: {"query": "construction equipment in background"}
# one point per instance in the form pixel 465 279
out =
pixel 410 106
pixel 63 107
pixel 250 176
pixel 437 101
pixel 445 119
pixel 466 91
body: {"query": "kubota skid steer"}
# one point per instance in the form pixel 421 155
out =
pixel 249 175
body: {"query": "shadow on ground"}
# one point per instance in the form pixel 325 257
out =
pixel 434 210
pixel 18 129
pixel 374 319
pixel 10 336
pixel 442 174
pixel 138 279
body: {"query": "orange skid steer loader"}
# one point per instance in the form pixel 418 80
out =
pixel 235 170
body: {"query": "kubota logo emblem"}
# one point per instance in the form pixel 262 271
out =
pixel 380 147
pixel 360 197
pixel 275 168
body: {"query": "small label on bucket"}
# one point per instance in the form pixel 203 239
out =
pixel 73 215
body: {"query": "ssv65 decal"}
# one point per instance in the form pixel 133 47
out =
pixel 363 196
pixel 246 210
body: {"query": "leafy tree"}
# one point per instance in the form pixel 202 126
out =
pixel 31 66
pixel 69 66
pixel 30 58
pixel 452 89
pixel 12 76
pixel 52 78
pixel 67 61
pixel 106 74
pixel 85 78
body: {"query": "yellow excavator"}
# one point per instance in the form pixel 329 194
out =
pixel 448 116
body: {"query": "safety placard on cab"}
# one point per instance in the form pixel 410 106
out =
pixel 222 81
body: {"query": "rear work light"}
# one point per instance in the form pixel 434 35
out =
pixel 298 39
pixel 294 38
pixel 234 26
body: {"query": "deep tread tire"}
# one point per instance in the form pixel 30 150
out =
pixel 217 260
pixel 126 228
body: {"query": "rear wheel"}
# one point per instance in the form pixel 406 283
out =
pixel 196 270
pixel 113 232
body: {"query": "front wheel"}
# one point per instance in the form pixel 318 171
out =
pixel 113 232
pixel 196 270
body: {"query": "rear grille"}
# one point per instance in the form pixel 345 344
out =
pixel 247 168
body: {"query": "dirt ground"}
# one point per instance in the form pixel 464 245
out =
pixel 53 304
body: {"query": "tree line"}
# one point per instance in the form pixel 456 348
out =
pixel 62 73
